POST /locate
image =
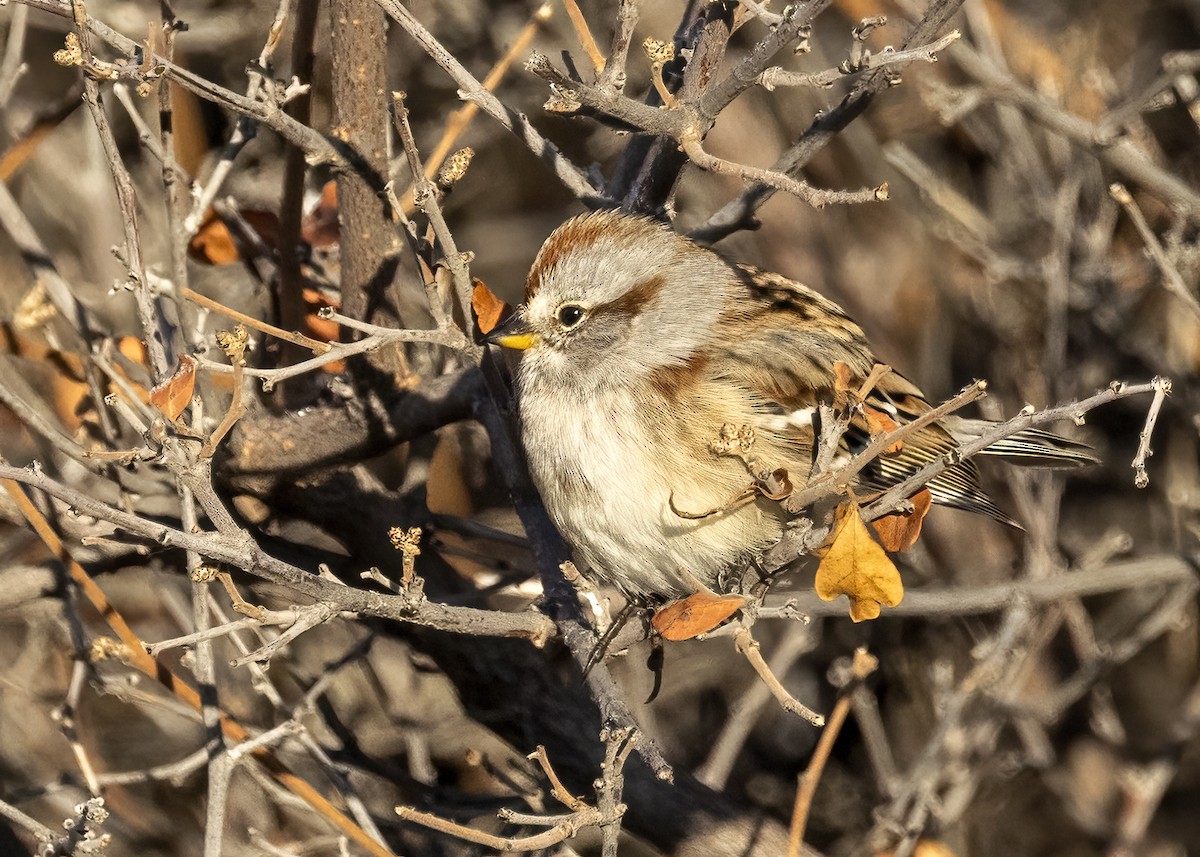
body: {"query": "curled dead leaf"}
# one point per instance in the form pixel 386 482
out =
pixel 489 309
pixel 777 485
pixel 320 329
pixel 213 243
pixel 173 395
pixel 881 423
pixel 900 530
pixel 320 227
pixel 216 245
pixel 697 614
pixel 856 566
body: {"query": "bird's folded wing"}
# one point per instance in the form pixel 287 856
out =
pixel 788 340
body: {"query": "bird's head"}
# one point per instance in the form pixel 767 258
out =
pixel 612 297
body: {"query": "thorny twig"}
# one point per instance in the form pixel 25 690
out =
pixel 133 653
pixel 747 645
pixel 888 58
pixel 1073 411
pixel 559 827
pixel 1162 389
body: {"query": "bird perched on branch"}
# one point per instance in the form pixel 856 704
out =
pixel 659 380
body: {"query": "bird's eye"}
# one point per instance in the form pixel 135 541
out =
pixel 570 315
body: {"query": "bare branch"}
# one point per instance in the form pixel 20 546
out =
pixel 888 58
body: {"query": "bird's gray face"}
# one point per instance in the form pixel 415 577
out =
pixel 611 298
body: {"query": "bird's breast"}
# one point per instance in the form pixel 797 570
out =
pixel 633 483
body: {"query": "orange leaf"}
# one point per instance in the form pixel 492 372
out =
pixel 134 350
pixel 856 566
pixel 900 530
pixel 489 309
pixel 697 614
pixel 175 393
pixel 925 848
pixel 213 243
pixel 880 422
pixel 321 329
pixel 320 227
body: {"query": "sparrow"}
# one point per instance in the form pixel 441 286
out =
pixel 655 375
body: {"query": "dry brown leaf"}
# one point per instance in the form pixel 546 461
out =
pixel 879 422
pixel 215 244
pixel 173 395
pixel 320 227
pixel 900 531
pixel 134 350
pixel 776 486
pixel 489 309
pixel 924 848
pixel 320 329
pixel 697 614
pixel 856 566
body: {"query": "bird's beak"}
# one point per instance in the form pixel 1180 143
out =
pixel 514 333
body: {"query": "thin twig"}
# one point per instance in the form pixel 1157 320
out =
pixel 571 176
pixel 584 34
pixel 425 196
pixel 949 601
pixel 1172 279
pixel 744 714
pixel 313 345
pixel 690 141
pixel 243 131
pixel 13 67
pixel 269 617
pixel 156 333
pixel 864 664
pixel 537 842
pixel 888 58
pixel 234 345
pixel 748 646
pixel 1072 411
pixel 35 827
pixel 613 76
pixel 557 790
pixel 458 121
pixel 1162 389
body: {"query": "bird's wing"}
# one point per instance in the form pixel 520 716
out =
pixel 786 341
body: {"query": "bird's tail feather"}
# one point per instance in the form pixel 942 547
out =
pixel 1032 447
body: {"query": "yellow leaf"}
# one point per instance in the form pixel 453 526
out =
pixel 856 566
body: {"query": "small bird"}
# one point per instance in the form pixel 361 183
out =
pixel 643 353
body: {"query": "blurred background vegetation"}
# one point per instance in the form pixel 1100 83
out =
pixel 1001 254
